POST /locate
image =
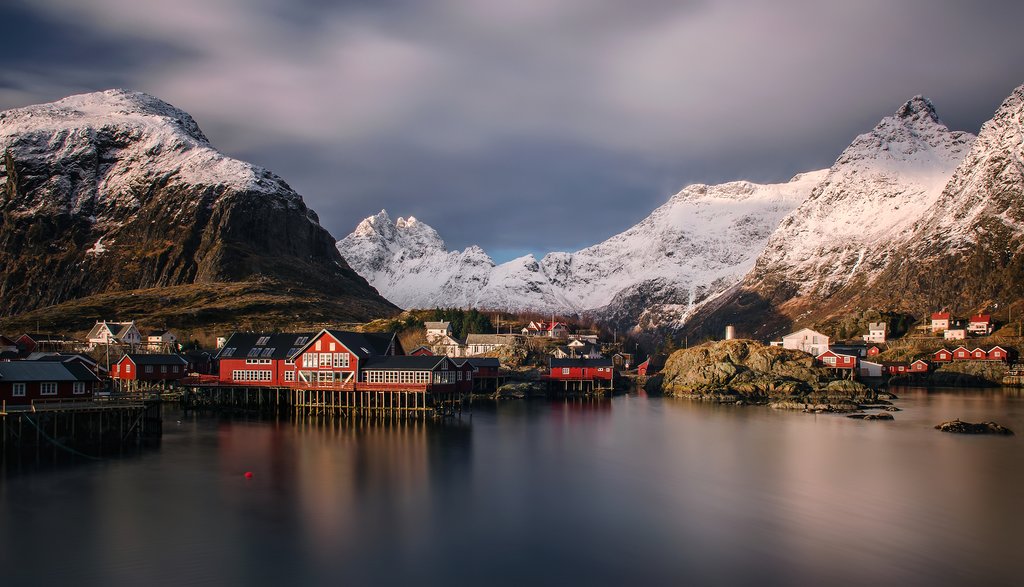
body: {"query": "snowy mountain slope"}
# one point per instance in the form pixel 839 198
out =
pixel 854 227
pixel 694 246
pixel 116 191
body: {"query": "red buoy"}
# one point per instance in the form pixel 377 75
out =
pixel 248 474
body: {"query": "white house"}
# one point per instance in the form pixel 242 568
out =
pixel 478 344
pixel 806 340
pixel 870 369
pixel 437 330
pixel 877 332
pixel 160 338
pixel 955 334
pixel 940 322
pixel 114 333
pixel 980 324
pixel 448 346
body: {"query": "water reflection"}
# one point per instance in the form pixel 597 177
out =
pixel 632 490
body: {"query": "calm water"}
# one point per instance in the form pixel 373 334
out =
pixel 634 491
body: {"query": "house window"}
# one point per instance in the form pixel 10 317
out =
pixel 565 371
pixel 341 360
pixel 149 368
pixel 289 376
pixel 127 367
pixel 325 360
pixel 78 388
pixel 174 368
pixel 18 390
pixel 163 368
pixel 311 360
pixel 263 341
pixel 48 388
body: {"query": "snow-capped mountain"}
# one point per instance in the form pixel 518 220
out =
pixel 912 218
pixel 688 250
pixel 117 190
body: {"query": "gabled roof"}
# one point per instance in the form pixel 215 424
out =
pixel 361 344
pixel 998 347
pixel 940 316
pixel 803 331
pixel 155 359
pixel 581 362
pixel 919 361
pixel 62 358
pixel 442 325
pixel 24 371
pixel 961 347
pixel 157 332
pixel 123 328
pixel 406 363
pixel 4 341
pixel 486 339
pixel 39 337
pixel 260 345
pixel 984 318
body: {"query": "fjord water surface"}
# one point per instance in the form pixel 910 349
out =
pixel 632 491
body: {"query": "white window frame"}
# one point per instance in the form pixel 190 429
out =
pixel 149 368
pixel 78 387
pixel 48 388
pixel 565 370
pixel 18 390
pixel 289 376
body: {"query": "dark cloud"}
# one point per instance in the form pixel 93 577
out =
pixel 528 125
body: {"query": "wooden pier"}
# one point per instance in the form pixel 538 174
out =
pixel 67 429
pixel 408 401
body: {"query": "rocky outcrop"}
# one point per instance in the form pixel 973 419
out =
pixel 118 191
pixel 958 427
pixel 744 370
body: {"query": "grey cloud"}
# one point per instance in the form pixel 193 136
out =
pixel 534 111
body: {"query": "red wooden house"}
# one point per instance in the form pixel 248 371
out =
pixel 651 366
pixel 596 371
pixel 486 372
pixel 438 374
pixel 998 353
pixel 422 351
pixel 134 368
pixel 961 353
pixel 834 360
pixel 979 354
pixel 22 382
pixel 874 351
pixel 920 366
pixel 897 368
pixel 942 356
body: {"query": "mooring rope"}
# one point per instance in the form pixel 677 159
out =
pixel 59 444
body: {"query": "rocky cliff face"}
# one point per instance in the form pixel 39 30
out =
pixel 119 191
pixel 687 251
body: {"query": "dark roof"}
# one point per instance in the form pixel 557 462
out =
pixel 48 337
pixel 60 357
pixel 282 345
pixel 155 359
pixel 364 344
pixel 560 363
pixel 404 363
pixel 18 371
pixel 478 362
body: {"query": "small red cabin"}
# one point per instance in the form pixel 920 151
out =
pixel 897 368
pixel 138 367
pixel 942 356
pixel 920 366
pixel 979 355
pixel 998 353
pixel 874 351
pixel 961 353
pixel 834 360
pixel 422 351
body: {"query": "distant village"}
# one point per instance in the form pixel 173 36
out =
pixel 119 357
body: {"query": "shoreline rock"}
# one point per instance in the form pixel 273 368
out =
pixel 959 427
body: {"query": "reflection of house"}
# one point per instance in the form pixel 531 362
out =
pixel 436 330
pixel 940 322
pixel 980 324
pixel 877 332
pixel 806 340
pixel 114 333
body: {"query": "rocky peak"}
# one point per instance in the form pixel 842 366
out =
pixel 918 108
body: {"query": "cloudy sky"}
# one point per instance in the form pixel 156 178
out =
pixel 526 125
